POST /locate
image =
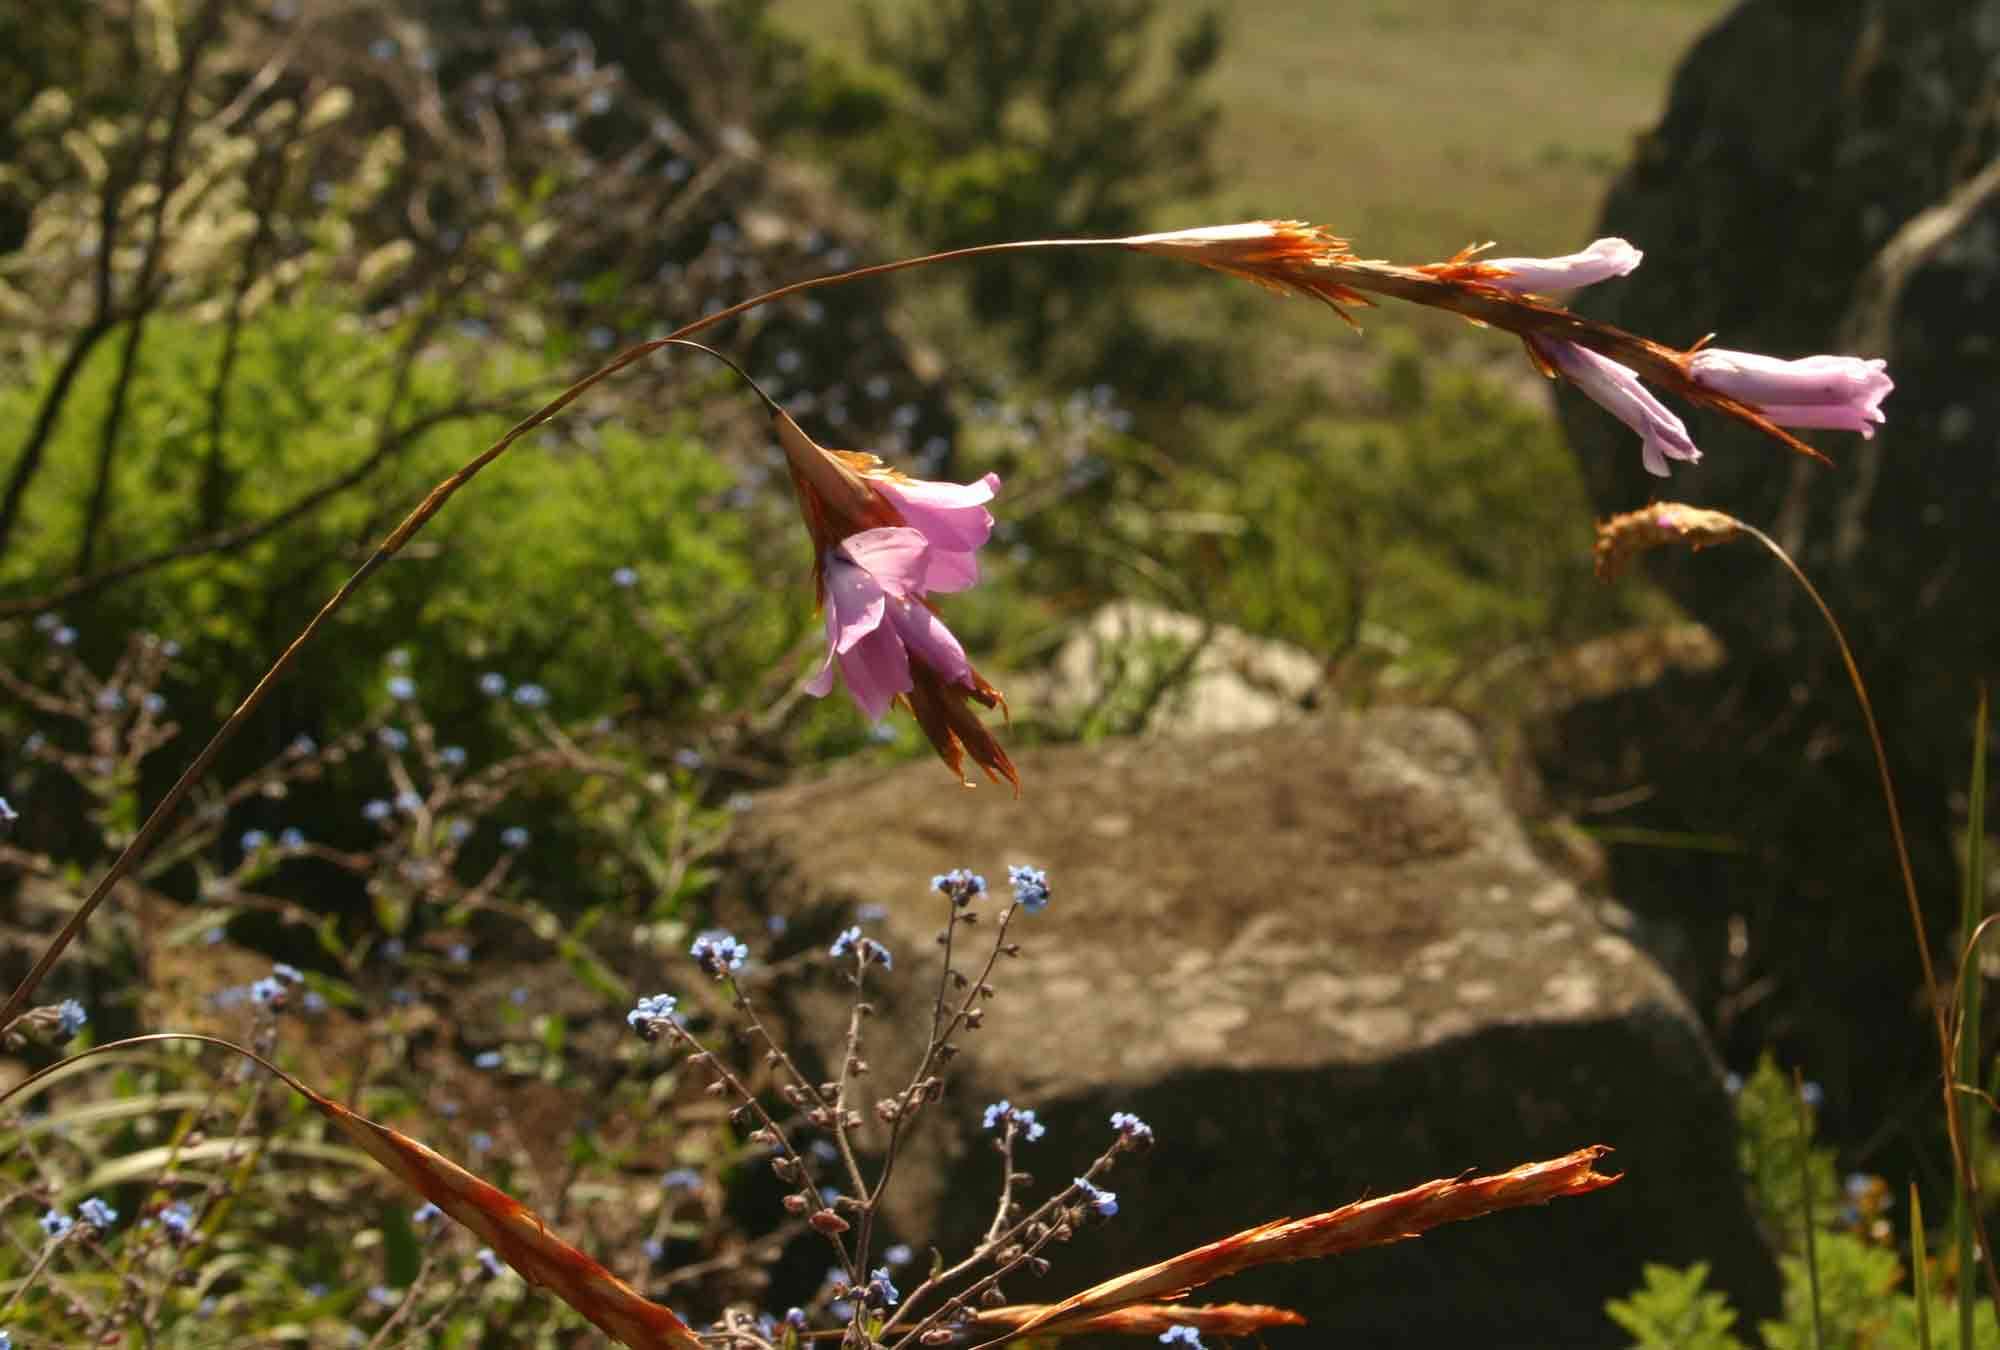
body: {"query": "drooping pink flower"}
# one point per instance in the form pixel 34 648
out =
pixel 1617 390
pixel 876 621
pixel 881 541
pixel 1842 393
pixel 1604 259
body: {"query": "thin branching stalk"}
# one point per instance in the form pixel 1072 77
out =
pixel 1970 984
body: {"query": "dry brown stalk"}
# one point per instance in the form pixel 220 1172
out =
pixel 1365 1223
pixel 1147 1319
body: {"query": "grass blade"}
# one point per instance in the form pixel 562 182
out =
pixel 1966 1060
pixel 1920 1273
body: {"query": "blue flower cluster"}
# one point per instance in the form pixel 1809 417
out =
pixel 1182 1335
pixel 961 885
pixel 56 1223
pixel 718 952
pixel 880 1290
pixel 866 948
pixel 1021 1117
pixel 1103 1201
pixel 70 1017
pixel 650 1011
pixel 1031 888
pixel 97 1214
pixel 1131 1127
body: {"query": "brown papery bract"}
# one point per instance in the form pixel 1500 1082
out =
pixel 1148 1319
pixel 1365 1223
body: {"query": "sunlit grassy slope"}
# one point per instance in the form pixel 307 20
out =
pixel 1416 126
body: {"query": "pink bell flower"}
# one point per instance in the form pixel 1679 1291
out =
pixel 1604 259
pixel 1617 390
pixel 1841 393
pixel 877 622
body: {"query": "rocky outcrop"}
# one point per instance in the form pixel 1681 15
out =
pixel 1821 181
pixel 1323 962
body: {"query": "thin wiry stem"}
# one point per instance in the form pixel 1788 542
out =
pixel 142 841
pixel 1954 1121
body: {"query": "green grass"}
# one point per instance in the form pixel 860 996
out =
pixel 1417 126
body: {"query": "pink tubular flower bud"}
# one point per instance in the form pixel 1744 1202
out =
pixel 1842 393
pixel 1603 260
pixel 1617 390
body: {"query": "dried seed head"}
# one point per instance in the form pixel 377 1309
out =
pixel 827 1222
pixel 1622 538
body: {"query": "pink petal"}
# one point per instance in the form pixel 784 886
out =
pixel 952 516
pixel 895 559
pixel 1603 260
pixel 821 684
pixel 1617 390
pixel 876 670
pixel 951 571
pixel 1814 380
pixel 929 640
pixel 1831 417
pixel 854 602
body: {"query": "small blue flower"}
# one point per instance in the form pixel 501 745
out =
pixel 1103 1201
pixel 1858 1184
pixel 1022 1119
pixel 178 1219
pixel 776 925
pixel 154 704
pixel 314 1001
pixel 898 1255
pixel 514 837
pixel 848 938
pixel 493 1265
pixel 871 950
pixel 650 1011
pixel 56 1224
pixel 487 1059
pixel 961 885
pixel 97 1214
pixel 881 1290
pixel 8 815
pixel 682 1179
pixel 531 696
pixel 480 1141
pixel 841 1310
pixel 493 684
pixel 382 1294
pixel 1732 1083
pixel 64 636
pixel 393 738
pixel 653 1248
pixel 110 700
pixel 1182 1335
pixel 6 1341
pixel 624 576
pixel 268 993
pixel 871 913
pixel 1131 1127
pixel 795 1318
pixel 425 1213
pixel 410 801
pixel 1812 1094
pixel 824 1150
pixel 378 810
pixel 303 745
pixel 291 837
pixel 402 688
pixel 70 1017
pixel 452 756
pixel 718 952
pixel 458 831
pixel 458 953
pixel 253 840
pixel 689 758
pixel 1031 888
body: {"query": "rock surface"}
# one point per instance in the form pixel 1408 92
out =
pixel 1323 962
pixel 1142 668
pixel 1823 180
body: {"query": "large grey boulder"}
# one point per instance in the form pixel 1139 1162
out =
pixel 1323 962
pixel 1823 180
